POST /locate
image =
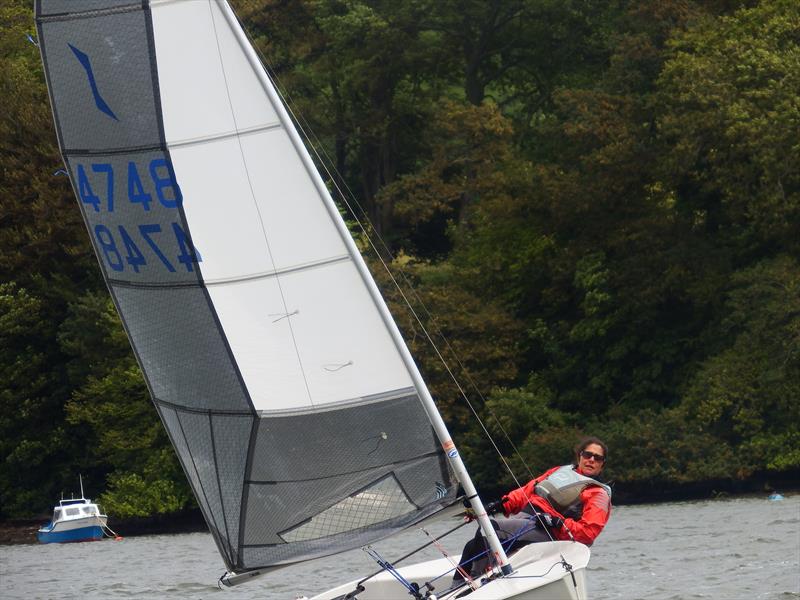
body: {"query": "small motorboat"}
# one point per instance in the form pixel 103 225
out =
pixel 74 520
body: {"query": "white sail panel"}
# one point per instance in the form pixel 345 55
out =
pixel 316 339
pixel 207 86
pixel 220 211
pixel 252 207
pixel 253 315
pixel 344 346
pixel 299 227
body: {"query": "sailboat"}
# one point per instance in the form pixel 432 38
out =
pixel 297 412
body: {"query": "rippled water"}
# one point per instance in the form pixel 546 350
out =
pixel 716 549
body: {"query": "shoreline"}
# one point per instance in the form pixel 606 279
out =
pixel 23 531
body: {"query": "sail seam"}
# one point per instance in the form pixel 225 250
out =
pixel 199 480
pixel 231 558
pixel 125 283
pixel 160 147
pixel 254 431
pixel 393 465
pixel 159 2
pixel 203 411
pixel 293 412
pixel 223 281
pixel 224 136
pixel 253 196
pixel 284 271
pixel 399 394
pixel 88 14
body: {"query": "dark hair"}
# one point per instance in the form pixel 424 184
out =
pixel 587 441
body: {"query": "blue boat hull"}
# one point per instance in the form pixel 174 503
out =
pixel 91 533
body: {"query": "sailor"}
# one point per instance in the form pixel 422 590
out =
pixel 564 503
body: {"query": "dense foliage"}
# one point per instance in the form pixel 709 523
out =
pixel 597 205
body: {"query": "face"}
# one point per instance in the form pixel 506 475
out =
pixel 591 466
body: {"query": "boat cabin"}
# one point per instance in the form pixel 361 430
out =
pixel 75 508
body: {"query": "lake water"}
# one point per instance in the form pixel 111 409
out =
pixel 746 548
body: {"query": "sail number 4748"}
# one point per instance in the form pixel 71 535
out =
pixel 132 245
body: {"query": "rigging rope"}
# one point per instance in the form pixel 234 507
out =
pixel 349 199
pixel 413 589
pixel 456 566
pixel 335 177
pixel 507 544
pixel 108 531
pixel 563 563
pixel 413 552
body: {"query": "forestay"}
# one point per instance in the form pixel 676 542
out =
pixel 294 416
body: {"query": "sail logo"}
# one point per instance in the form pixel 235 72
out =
pixel 441 491
pixel 450 448
pixel 101 104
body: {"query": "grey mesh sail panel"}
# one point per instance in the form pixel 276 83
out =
pixel 286 399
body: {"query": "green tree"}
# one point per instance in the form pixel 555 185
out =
pixel 517 419
pixel 732 117
pixel 599 203
pixel 43 244
pixel 746 393
pixel 476 339
pixel 125 438
pixel 657 449
pixel 468 161
pixel 45 259
pixel 37 449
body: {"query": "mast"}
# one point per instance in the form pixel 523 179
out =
pixel 422 389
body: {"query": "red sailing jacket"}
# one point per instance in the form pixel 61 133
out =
pixel 594 500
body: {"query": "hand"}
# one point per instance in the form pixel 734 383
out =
pixel 494 507
pixel 551 521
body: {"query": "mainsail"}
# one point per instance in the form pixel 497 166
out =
pixel 293 413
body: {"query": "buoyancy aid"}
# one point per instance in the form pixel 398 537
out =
pixel 563 487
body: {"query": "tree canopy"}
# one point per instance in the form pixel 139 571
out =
pixel 597 206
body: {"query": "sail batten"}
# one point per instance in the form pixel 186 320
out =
pixel 290 404
pixel 89 152
pixel 55 10
pixel 237 279
pixel 400 463
pixel 224 135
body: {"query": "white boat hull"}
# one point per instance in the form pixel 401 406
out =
pixel 74 520
pixel 539 574
pixel 84 529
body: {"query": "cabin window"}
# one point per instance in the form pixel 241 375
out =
pixel 71 512
pixel 57 514
pixel 89 510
